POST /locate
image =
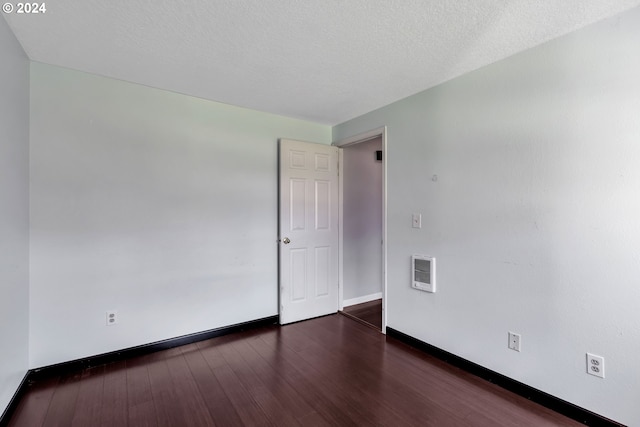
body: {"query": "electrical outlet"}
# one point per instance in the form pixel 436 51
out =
pixel 595 365
pixel 514 341
pixel 112 318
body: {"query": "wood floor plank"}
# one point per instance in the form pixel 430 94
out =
pixel 357 403
pixel 63 402
pixel 171 391
pixel 34 405
pixel 140 407
pixel 219 405
pixel 90 397
pixel 256 388
pixel 195 411
pixel 165 399
pixel 314 419
pixel 273 381
pixel 317 393
pixel 387 392
pixel 114 408
pixel 426 386
pixel 248 409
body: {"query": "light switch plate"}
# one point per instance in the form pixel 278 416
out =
pixel 416 221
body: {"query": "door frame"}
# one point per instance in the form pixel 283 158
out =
pixel 343 143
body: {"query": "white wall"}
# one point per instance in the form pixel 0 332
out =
pixel 14 214
pixel 155 204
pixel 362 220
pixel 534 218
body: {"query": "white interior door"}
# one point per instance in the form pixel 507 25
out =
pixel 308 230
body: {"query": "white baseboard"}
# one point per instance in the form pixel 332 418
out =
pixel 360 300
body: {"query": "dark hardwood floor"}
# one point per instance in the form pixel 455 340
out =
pixel 367 312
pixel 329 371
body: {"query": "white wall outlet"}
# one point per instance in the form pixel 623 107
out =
pixel 514 341
pixel 416 220
pixel 595 365
pixel 112 317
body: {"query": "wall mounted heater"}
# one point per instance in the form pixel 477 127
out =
pixel 423 273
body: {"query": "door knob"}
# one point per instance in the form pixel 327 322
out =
pixel 286 241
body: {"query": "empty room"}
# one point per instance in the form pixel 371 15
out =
pixel 198 198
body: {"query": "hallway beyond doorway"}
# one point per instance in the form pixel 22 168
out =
pixel 368 313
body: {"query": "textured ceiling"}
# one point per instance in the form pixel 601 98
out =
pixel 324 60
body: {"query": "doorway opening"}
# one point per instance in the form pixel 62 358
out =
pixel 362 237
pixel 368 313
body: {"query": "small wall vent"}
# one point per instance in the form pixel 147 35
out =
pixel 423 273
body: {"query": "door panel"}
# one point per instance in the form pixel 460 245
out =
pixel 298 263
pixel 309 223
pixel 297 202
pixel 323 205
pixel 323 271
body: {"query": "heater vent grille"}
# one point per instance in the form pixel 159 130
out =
pixel 423 273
